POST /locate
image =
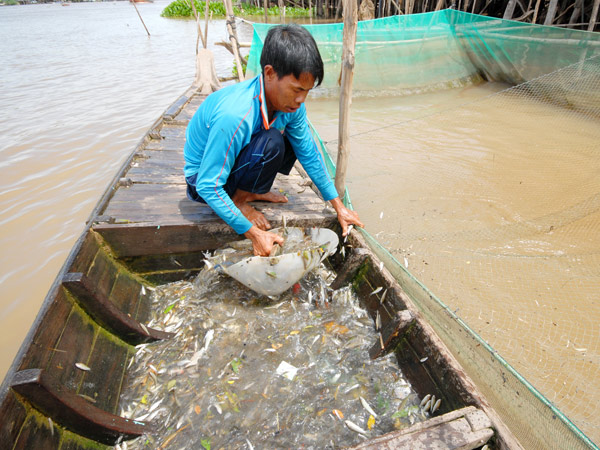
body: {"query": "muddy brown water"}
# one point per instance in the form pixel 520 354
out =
pixel 493 206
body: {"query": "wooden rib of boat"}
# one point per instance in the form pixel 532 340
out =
pixel 63 388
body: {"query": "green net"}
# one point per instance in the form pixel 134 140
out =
pixel 521 269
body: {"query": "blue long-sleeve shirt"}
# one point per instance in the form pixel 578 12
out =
pixel 223 125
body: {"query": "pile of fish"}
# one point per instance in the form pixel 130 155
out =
pixel 245 371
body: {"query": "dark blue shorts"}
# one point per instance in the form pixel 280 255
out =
pixel 268 153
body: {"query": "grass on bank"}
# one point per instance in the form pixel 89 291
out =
pixel 183 8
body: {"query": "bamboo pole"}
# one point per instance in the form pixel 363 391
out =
pixel 350 25
pixel 198 29
pixel 266 6
pixel 594 15
pixel 140 16
pixel 206 24
pixel 551 12
pixel 535 12
pixel 233 38
pixel 510 10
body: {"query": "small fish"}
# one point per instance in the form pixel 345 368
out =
pixel 376 290
pixel 381 215
pixel 51 426
pixel 143 290
pixel 82 366
pixel 337 413
pixel 425 400
pixel 144 328
pixel 427 405
pixel 367 406
pixel 383 297
pixel 351 388
pixel 247 441
pixel 435 407
pixel 424 359
pixel 405 262
pixel 208 337
pixel 378 321
pixel 380 265
pixel 354 427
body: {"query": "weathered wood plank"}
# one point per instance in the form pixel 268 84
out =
pixel 449 431
pixel 107 313
pixel 356 258
pixel 13 414
pixel 103 272
pixel 172 131
pixel 108 362
pixel 165 145
pixel 36 434
pixel 391 333
pixel 74 346
pixel 86 254
pixel 71 411
pixel 44 343
pixel 126 292
pixel 138 240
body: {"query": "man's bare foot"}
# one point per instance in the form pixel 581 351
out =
pixel 271 197
pixel 240 197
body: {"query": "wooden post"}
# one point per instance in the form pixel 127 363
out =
pixel 350 25
pixel 206 24
pixel 198 30
pixel 551 12
pixel 594 15
pixel 140 16
pixel 510 10
pixel 535 12
pixel 233 38
pixel 266 6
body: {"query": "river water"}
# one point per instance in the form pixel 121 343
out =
pixel 502 226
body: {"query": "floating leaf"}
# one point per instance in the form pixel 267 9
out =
pixel 171 385
pixel 271 274
pixel 235 365
pixel 197 409
pixel 370 422
pixel 169 308
pixel 332 327
pixel 338 414
pixel 144 399
pixel 205 443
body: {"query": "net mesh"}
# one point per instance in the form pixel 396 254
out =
pixel 498 209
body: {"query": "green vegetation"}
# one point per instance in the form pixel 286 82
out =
pixel 183 8
pixel 9 2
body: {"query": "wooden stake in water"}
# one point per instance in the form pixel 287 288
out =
pixel 139 15
pixel 350 25
pixel 233 38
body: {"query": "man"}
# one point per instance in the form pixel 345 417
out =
pixel 243 135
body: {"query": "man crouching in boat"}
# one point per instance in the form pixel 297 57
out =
pixel 244 134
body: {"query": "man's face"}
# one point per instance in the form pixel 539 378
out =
pixel 286 94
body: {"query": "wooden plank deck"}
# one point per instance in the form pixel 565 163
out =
pixel 152 194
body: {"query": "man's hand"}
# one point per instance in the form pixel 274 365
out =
pixel 262 241
pixel 345 216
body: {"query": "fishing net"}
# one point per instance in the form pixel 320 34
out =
pixel 494 228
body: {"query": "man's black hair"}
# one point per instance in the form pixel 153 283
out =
pixel 291 49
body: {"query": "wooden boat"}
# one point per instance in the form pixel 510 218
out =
pixel 63 388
